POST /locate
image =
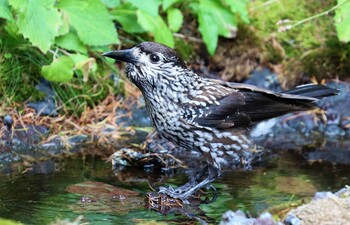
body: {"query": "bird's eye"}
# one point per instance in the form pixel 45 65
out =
pixel 154 58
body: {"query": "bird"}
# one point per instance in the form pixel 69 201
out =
pixel 202 114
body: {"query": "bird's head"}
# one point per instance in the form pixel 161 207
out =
pixel 149 63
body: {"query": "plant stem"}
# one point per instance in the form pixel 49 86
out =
pixel 319 15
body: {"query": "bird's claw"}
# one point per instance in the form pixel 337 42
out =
pixel 187 190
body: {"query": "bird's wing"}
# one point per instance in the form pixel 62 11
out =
pixel 240 105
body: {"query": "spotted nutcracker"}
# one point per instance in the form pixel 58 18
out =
pixel 202 114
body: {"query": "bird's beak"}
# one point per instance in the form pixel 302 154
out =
pixel 122 55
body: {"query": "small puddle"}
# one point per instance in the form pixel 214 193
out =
pixel 87 186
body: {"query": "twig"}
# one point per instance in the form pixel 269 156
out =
pixel 315 16
pixel 320 14
pixel 193 39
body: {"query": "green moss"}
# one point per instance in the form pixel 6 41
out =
pixel 305 36
pixel 314 43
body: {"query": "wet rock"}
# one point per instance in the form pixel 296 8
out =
pixel 292 220
pixel 325 208
pixel 22 137
pixel 8 121
pixel 46 107
pixel 78 139
pixel 334 131
pixel 324 194
pixel 266 219
pixel 103 198
pixel 98 189
pixel 264 78
pixel 239 217
pixel 333 151
pixel 138 117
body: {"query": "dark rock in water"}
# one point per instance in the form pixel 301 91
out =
pixel 46 107
pixel 333 151
pixel 264 78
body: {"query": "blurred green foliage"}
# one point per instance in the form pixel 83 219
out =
pixel 61 40
pixel 65 39
pixel 307 36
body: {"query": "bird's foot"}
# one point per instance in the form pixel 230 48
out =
pixel 189 189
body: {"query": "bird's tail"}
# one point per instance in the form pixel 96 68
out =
pixel 313 91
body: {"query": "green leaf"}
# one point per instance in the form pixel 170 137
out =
pixel 221 17
pixel 209 32
pixel 5 11
pixel 18 4
pixel 64 28
pixel 9 222
pixel 157 26
pixel 342 21
pixel 240 7
pixel 71 42
pixel 175 19
pixel 214 20
pixel 38 21
pixel 84 65
pixel 149 6
pixel 91 20
pixel 60 70
pixel 111 3
pixel 167 3
pixel 126 16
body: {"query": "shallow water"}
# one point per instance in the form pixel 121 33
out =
pixel 41 199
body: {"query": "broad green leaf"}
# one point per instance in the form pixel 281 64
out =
pixel 149 6
pixel 5 11
pixel 221 17
pixel 64 28
pixel 91 20
pixel 167 3
pixel 342 21
pixel 209 32
pixel 60 70
pixel 175 19
pixel 9 222
pixel 214 20
pixel 126 16
pixel 157 26
pixel 240 7
pixel 18 4
pixel 38 21
pixel 84 65
pixel 71 41
pixel 111 3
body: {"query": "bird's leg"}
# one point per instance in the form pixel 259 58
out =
pixel 185 191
